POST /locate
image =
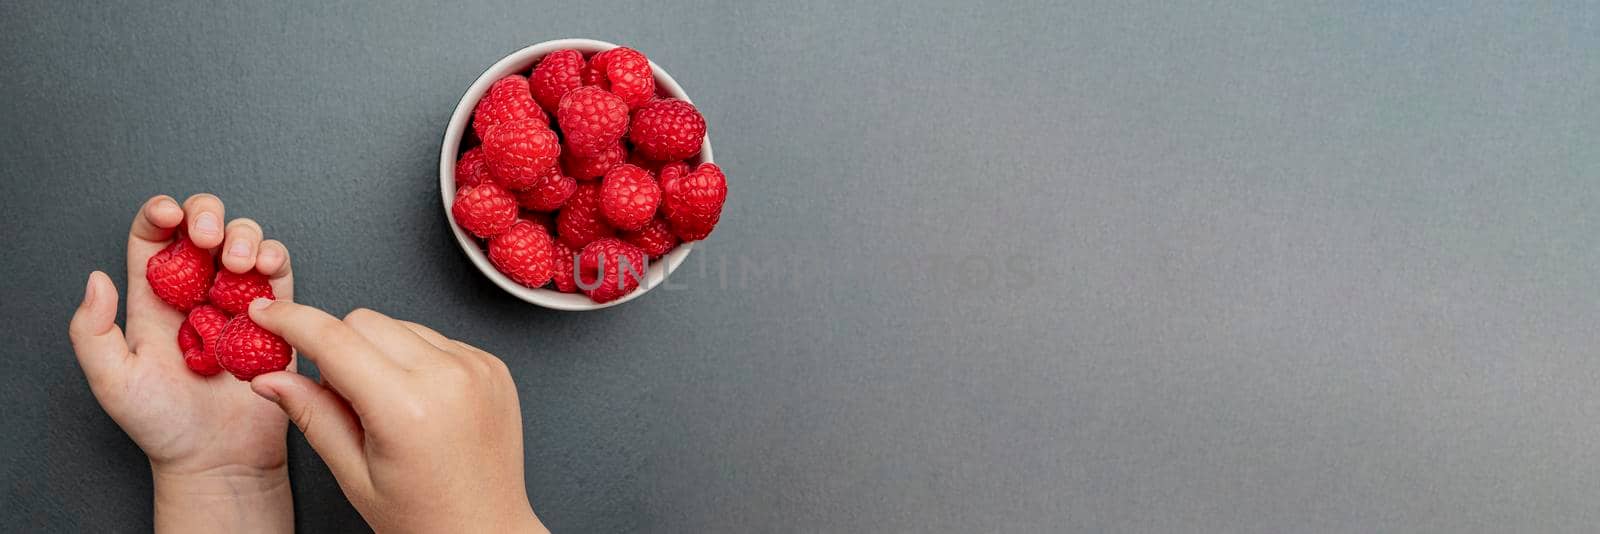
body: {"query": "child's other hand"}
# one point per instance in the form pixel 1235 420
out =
pixel 424 433
pixel 208 430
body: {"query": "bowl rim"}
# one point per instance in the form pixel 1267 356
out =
pixel 520 61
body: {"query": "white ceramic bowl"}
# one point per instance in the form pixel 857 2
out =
pixel 522 61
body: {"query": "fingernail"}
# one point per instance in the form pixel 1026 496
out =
pixel 260 303
pixel 240 248
pixel 269 254
pixel 207 223
pixel 166 204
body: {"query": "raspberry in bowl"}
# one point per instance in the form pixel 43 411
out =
pixel 570 162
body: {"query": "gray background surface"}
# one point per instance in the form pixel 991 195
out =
pixel 1108 266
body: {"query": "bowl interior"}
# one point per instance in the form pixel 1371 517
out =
pixel 522 61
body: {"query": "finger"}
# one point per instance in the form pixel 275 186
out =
pixel 329 424
pixel 343 356
pixel 273 260
pixel 240 239
pixel 203 213
pixel 96 339
pixel 395 340
pixel 152 229
pixel 433 337
pixel 158 217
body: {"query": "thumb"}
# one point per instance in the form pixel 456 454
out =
pixel 95 337
pixel 327 421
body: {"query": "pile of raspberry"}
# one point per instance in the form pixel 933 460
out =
pixel 217 335
pixel 577 177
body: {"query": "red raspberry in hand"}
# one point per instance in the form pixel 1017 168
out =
pixel 627 74
pixel 247 350
pixel 485 209
pixel 610 269
pixel 520 152
pixel 655 238
pixel 692 203
pixel 666 130
pixel 508 99
pixel 195 356
pixel 187 337
pixel 207 323
pixel 563 276
pixel 472 169
pixel 557 73
pixel 180 274
pixel 591 167
pixel 525 253
pixel 629 197
pixel 201 362
pixel 592 120
pixel 233 292
pixel 548 193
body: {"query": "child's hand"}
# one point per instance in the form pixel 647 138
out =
pixel 424 433
pixel 212 443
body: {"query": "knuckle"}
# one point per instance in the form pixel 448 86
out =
pixel 497 367
pixel 412 410
pixel 360 316
pixel 329 330
pixel 302 416
pixel 461 372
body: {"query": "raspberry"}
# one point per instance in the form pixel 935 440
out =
pixel 549 193
pixel 565 260
pixel 592 120
pixel 580 221
pixel 508 99
pixel 207 323
pixel 692 203
pixel 655 238
pixel 247 350
pixel 628 197
pixel 591 167
pixel 484 209
pixel 187 337
pixel 557 73
pixel 201 362
pixel 233 292
pixel 627 73
pixel 519 152
pixel 668 129
pixel 472 169
pixel 180 274
pixel 525 253
pixel 610 269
